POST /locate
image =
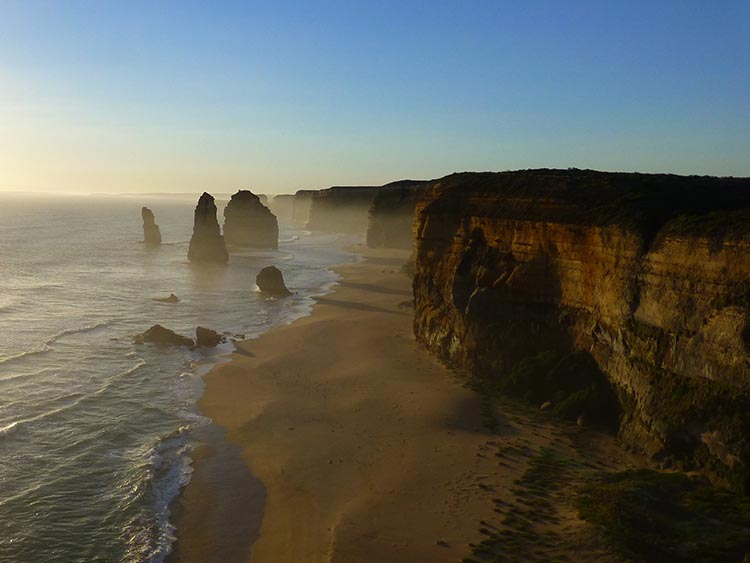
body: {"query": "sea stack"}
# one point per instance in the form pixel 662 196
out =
pixel 151 233
pixel 247 222
pixel 207 244
pixel 270 280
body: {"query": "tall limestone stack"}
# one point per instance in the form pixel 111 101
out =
pixel 247 222
pixel 207 244
pixel 151 233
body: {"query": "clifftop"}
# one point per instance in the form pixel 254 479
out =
pixel 645 202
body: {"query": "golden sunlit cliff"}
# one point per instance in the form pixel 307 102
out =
pixel 620 299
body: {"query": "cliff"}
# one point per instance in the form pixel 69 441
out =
pixel 206 244
pixel 341 209
pixel 282 206
pixel 247 222
pixel 622 298
pixel 392 214
pixel 151 232
pixel 301 206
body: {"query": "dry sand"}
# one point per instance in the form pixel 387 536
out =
pixel 370 450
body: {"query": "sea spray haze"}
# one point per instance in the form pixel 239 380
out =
pixel 95 431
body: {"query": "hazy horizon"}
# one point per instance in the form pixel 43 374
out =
pixel 185 97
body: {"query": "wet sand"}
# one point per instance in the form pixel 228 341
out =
pixel 370 450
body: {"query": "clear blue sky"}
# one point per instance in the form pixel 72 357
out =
pixel 278 95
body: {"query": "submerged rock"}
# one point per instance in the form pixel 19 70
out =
pixel 207 244
pixel 271 281
pixel 171 299
pixel 247 222
pixel 207 338
pixel 157 334
pixel 151 232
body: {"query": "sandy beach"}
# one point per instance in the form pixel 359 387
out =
pixel 370 450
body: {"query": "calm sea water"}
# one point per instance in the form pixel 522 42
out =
pixel 94 430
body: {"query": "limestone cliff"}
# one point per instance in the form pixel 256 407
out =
pixel 392 214
pixel 207 244
pixel 301 206
pixel 342 209
pixel 282 206
pixel 247 222
pixel 151 232
pixel 524 277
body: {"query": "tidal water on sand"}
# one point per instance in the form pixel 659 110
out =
pixel 95 430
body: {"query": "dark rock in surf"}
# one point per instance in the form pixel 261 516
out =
pixel 151 233
pixel 171 299
pixel 161 336
pixel 248 222
pixel 207 338
pixel 207 244
pixel 271 281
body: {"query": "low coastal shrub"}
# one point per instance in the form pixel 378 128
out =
pixel 573 383
pixel 667 517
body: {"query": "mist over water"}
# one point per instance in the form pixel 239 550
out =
pixel 95 430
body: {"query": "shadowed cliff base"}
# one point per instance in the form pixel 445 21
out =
pixel 645 274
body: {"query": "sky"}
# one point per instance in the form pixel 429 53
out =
pixel 275 96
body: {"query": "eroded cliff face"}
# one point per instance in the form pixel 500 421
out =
pixel 392 214
pixel 341 209
pixel 301 206
pixel 282 206
pixel 648 275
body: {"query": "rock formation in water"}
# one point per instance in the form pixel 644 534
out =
pixel 157 334
pixel 270 280
pixel 151 233
pixel 207 244
pixel 392 215
pixel 599 293
pixel 247 222
pixel 341 209
pixel 207 338
pixel 171 299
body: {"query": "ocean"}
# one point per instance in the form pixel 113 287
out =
pixel 96 431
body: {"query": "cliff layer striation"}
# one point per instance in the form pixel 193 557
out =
pixel 620 298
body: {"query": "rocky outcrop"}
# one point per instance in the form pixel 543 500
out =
pixel 207 244
pixel 270 280
pixel 564 285
pixel 342 209
pixel 207 338
pixel 151 233
pixel 249 223
pixel 392 215
pixel 161 336
pixel 301 206
pixel 282 206
pixel 171 299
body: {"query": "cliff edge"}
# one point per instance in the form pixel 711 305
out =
pixel 623 298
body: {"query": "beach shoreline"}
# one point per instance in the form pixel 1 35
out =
pixel 368 447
